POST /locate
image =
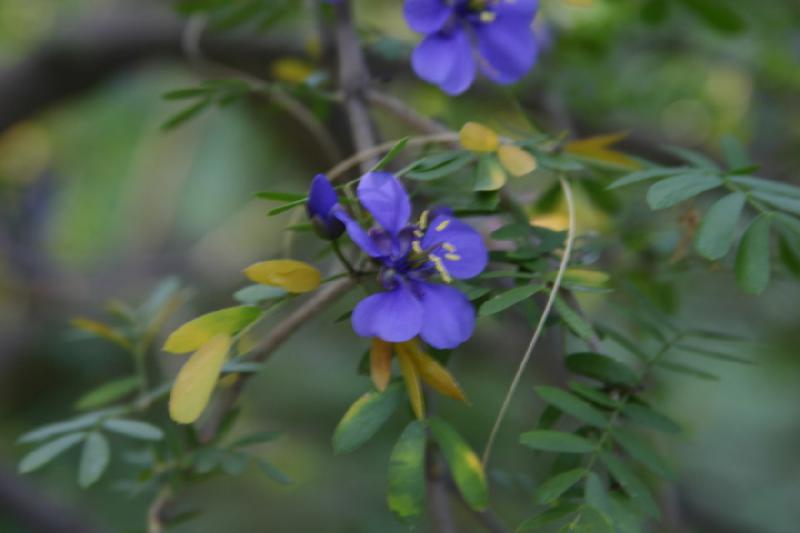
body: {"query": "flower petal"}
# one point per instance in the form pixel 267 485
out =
pixel 458 245
pixel 448 318
pixel 426 16
pixel 357 234
pixel 386 199
pixel 321 197
pixel 445 60
pixel 394 316
pixel 507 48
pixel 525 9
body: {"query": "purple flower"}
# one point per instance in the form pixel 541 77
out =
pixel 498 30
pixel 411 256
pixel 322 199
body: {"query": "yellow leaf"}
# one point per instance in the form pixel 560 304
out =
pixel 598 148
pixel 291 70
pixel 293 276
pixel 432 372
pixel 515 160
pixel 101 330
pixel 197 332
pixel 196 380
pixel 413 386
pixel 589 278
pixel 380 363
pixel 478 138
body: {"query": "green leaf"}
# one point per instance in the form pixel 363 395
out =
pixel 640 450
pixel 465 466
pixel 273 473
pixel 571 404
pixel 671 191
pixel 631 484
pixel 768 186
pixel 717 14
pixel 718 228
pixel 593 395
pixel 94 459
pixel 788 222
pixel 108 393
pixel 281 196
pixel 391 154
pixel 646 416
pixel 735 153
pixel 511 232
pixel 196 333
pixel 593 521
pixel 50 430
pixel 556 441
pixel 695 158
pixel 47 452
pixel 286 207
pixel 256 438
pixel 645 175
pixel 573 320
pixel 553 488
pixel 779 201
pixel 508 299
pixel 437 166
pixel 536 523
pixel 186 114
pixel 134 429
pixel 257 293
pixel 595 493
pixel 680 368
pixel 365 417
pixel 752 259
pixel 602 368
pixel 406 495
pixel 713 354
pixel 623 341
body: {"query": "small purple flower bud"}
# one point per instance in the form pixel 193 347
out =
pixel 322 199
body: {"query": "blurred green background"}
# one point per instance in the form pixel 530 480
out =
pixel 98 203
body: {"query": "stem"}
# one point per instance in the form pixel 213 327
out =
pixel 540 326
pixel 338 251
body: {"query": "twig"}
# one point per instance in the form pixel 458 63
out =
pixel 407 114
pixel 155 513
pixel 438 495
pixel 540 326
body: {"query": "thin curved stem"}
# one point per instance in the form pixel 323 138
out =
pixel 370 153
pixel 565 186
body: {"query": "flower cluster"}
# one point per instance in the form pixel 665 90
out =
pixel 411 258
pixel 500 31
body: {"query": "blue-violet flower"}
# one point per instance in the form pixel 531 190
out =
pixel 500 31
pixel 410 257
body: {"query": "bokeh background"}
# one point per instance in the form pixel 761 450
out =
pixel 98 203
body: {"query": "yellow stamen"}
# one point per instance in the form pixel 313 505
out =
pixel 437 262
pixel 443 225
pixel 416 247
pixel 423 219
pixel 449 247
pixel 488 16
pixel 452 257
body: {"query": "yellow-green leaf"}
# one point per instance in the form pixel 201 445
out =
pixel 294 276
pixel 101 330
pixel 196 333
pixel 478 138
pixel 380 363
pixel 406 495
pixel 463 462
pixel 515 160
pixel 432 372
pixel 413 386
pixel 196 380
pixel 489 176
pixel 364 418
pixel 599 149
